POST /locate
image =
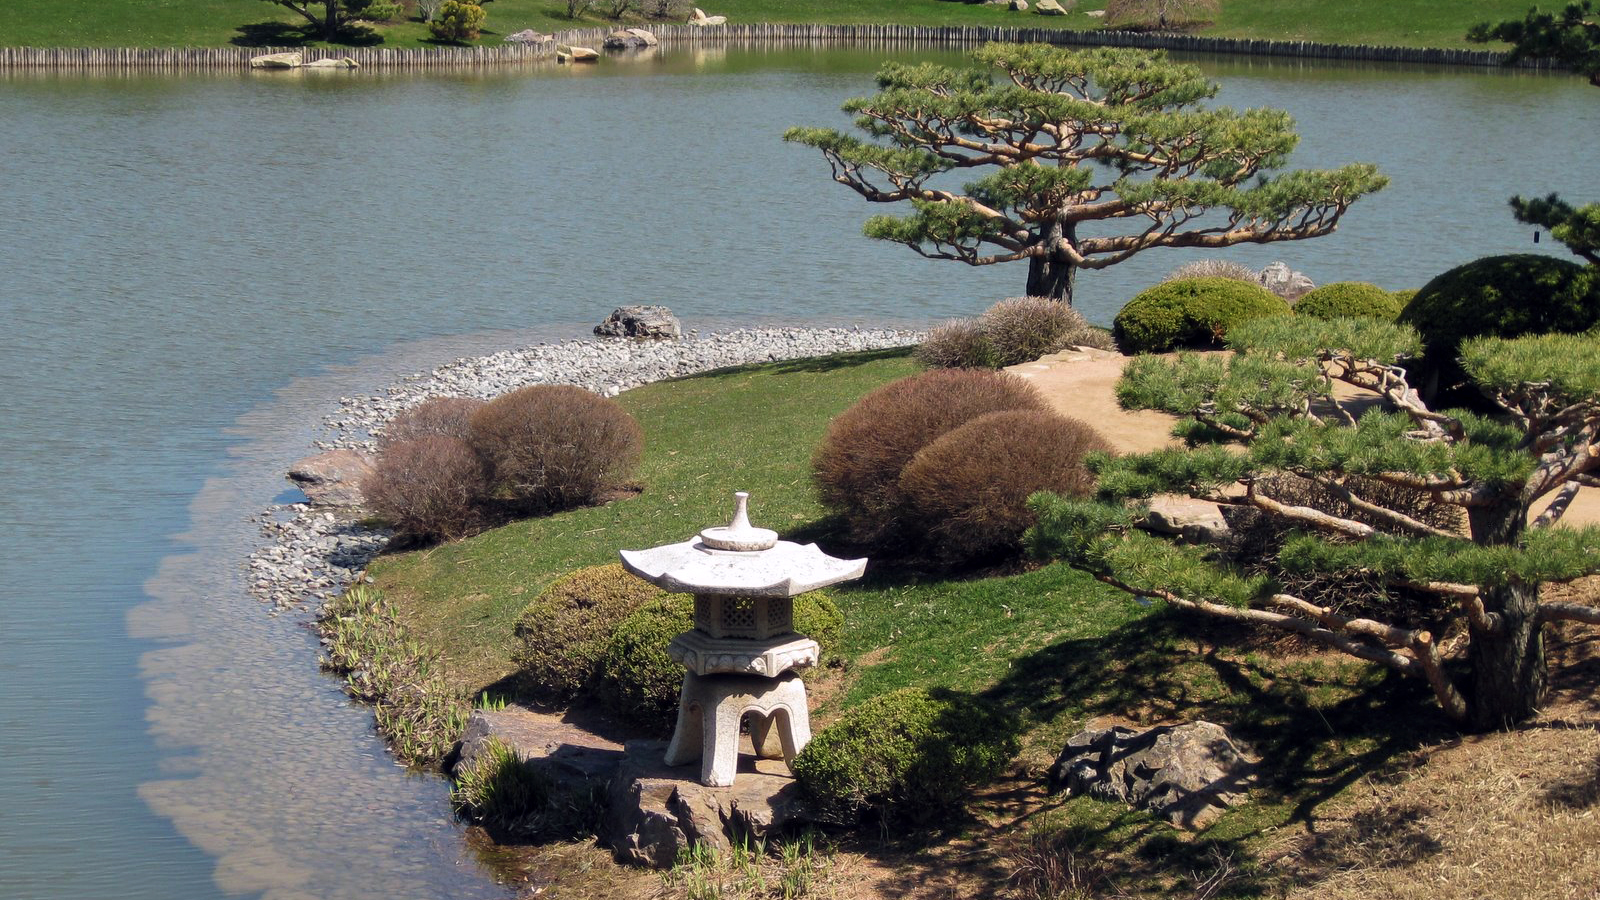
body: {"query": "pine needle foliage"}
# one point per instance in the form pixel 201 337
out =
pixel 1383 495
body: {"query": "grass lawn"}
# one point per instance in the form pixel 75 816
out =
pixel 1050 644
pixel 211 23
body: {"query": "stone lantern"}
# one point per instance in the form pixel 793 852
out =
pixel 742 654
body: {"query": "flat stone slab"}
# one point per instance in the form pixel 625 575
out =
pixel 569 753
pixel 332 478
pixel 1187 774
pixel 657 810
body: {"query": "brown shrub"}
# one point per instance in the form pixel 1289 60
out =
pixel 561 635
pixel 957 344
pixel 429 488
pixel 967 492
pixel 1213 268
pixel 857 466
pixel 1160 15
pixel 447 416
pixel 1026 328
pixel 554 447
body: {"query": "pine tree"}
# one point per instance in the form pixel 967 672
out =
pixel 1268 411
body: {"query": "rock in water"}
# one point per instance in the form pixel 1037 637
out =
pixel 641 322
pixel 624 40
pixel 290 60
pixel 650 40
pixel 1285 282
pixel 1187 774
pixel 332 478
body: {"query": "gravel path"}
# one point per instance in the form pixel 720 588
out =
pixel 314 553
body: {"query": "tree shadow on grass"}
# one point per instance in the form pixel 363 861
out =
pixel 816 364
pixel 271 34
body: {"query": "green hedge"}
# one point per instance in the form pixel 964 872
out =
pixel 1191 312
pixel 1349 299
pixel 561 635
pixel 912 751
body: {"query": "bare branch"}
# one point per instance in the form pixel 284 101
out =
pixel 1556 611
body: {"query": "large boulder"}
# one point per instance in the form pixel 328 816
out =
pixel 1019 5
pixel 1197 521
pixel 649 38
pixel 528 36
pixel 332 478
pixel 624 40
pixel 1049 8
pixel 641 322
pixel 656 810
pixel 1187 774
pixel 1285 282
pixel 290 60
pixel 343 62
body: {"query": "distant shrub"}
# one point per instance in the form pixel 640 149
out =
pixel 554 447
pixel 1214 268
pixel 666 9
pixel 382 11
pixel 561 635
pixel 967 492
pixel 634 676
pixel 446 416
pixel 1010 332
pixel 914 752
pixel 857 467
pixel 957 344
pixel 1160 15
pixel 429 488
pixel 457 21
pixel 1503 296
pixel 1349 299
pixel 1194 313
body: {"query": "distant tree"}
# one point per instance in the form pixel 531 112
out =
pixel 576 8
pixel 1077 140
pixel 1160 15
pixel 1571 37
pixel 1370 487
pixel 1578 227
pixel 616 9
pixel 328 17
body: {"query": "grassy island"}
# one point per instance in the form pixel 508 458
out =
pixel 217 23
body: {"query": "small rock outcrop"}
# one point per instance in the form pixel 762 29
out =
pixel 528 36
pixel 332 478
pixel 624 40
pixel 641 322
pixel 1187 774
pixel 655 811
pixel 344 62
pixel 699 19
pixel 570 755
pixel 291 60
pixel 1019 5
pixel 1285 282
pixel 1197 521
pixel 1049 8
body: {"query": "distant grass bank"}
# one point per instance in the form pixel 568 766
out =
pixel 217 23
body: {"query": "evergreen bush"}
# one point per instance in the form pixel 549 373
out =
pixel 1196 312
pixel 915 752
pixel 428 488
pixel 967 492
pixel 1345 299
pixel 456 21
pixel 857 466
pixel 1497 296
pixel 554 447
pixel 562 634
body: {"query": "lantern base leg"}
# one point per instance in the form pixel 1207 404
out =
pixel 710 708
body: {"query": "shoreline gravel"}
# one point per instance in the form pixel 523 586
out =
pixel 314 552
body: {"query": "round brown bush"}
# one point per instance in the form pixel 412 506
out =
pixel 967 492
pixel 857 466
pixel 562 633
pixel 1214 268
pixel 554 447
pixel 957 344
pixel 1025 328
pixel 447 416
pixel 430 488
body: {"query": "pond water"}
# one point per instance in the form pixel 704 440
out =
pixel 193 269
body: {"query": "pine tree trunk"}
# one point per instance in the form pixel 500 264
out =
pixel 1509 674
pixel 1051 274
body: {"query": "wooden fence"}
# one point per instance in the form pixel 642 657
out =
pixel 233 58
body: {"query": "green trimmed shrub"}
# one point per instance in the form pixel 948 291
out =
pixel 1401 298
pixel 429 488
pixel 561 635
pixel 1500 296
pixel 1349 299
pixel 1195 312
pixel 555 447
pixel 967 492
pixel 857 466
pixel 637 680
pixel 457 21
pixel 912 751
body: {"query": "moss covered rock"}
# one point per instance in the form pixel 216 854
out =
pixel 912 750
pixel 1191 312
pixel 563 632
pixel 1349 299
